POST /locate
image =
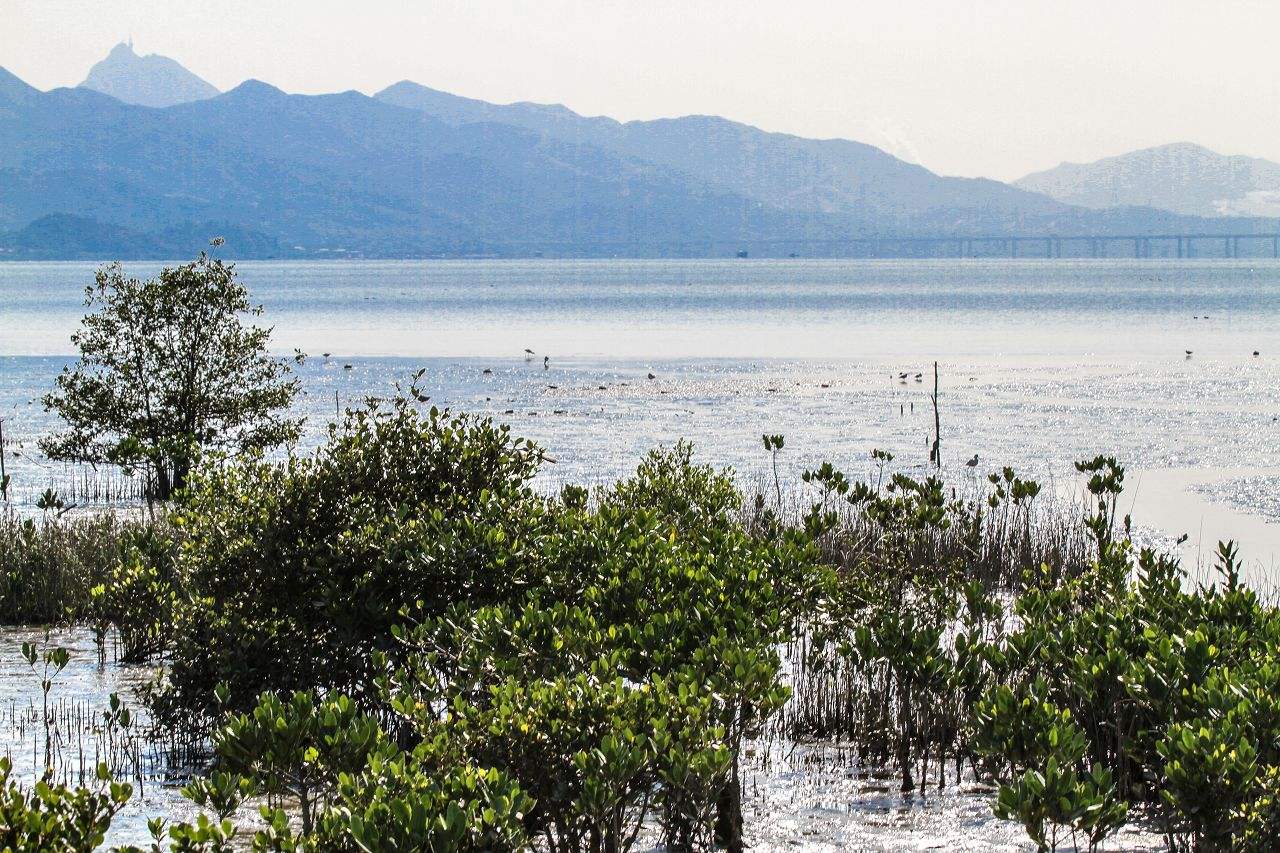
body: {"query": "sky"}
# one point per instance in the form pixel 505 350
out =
pixel 995 89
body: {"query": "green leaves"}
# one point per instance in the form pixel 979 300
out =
pixel 55 818
pixel 167 370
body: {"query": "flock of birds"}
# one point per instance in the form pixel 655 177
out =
pixel 903 376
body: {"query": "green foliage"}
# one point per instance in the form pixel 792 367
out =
pixel 139 595
pixel 1057 798
pixel 1052 791
pixel 297 747
pixel 54 818
pixel 1259 820
pixel 49 567
pixel 583 662
pixel 167 370
pixel 1209 771
pixel 1170 690
pixel 415 802
pixel 296 572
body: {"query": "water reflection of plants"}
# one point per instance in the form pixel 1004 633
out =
pixel 414 649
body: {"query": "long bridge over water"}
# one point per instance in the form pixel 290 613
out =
pixel 1170 245
pixel 1189 245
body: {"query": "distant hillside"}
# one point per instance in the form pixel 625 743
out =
pixel 1182 177
pixel 348 174
pixel 834 176
pixel 63 236
pixel 418 173
pixel 150 81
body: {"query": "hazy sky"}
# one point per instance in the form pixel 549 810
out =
pixel 989 88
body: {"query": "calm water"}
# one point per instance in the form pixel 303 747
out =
pixel 1041 363
pixel 718 309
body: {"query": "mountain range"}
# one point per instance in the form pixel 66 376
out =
pixel 147 160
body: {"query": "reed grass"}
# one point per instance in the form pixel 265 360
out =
pixel 48 566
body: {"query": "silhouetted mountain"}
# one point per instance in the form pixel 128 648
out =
pixel 835 176
pixel 346 173
pixel 150 81
pixel 1182 177
pixel 350 175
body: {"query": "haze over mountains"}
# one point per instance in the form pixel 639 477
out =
pixel 147 160
pixel 1182 177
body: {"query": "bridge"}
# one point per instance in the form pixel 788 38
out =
pixel 1036 246
pixel 1171 245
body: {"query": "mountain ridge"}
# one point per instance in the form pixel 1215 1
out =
pixel 416 172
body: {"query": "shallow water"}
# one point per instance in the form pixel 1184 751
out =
pixel 812 797
pixel 1041 363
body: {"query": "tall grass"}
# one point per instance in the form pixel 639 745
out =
pixel 48 566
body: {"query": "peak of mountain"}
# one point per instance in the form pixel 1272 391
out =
pixel 149 81
pixel 1182 177
pixel 252 88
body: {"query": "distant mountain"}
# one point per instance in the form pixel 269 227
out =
pixel 63 236
pixel 1181 177
pixel 833 176
pixel 347 174
pixel 418 173
pixel 150 81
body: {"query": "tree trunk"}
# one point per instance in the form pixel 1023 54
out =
pixel 729 813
